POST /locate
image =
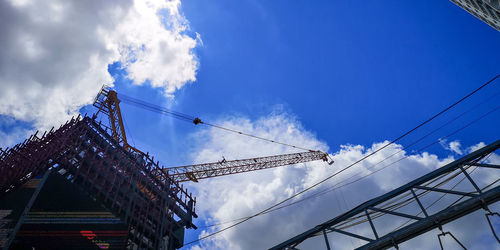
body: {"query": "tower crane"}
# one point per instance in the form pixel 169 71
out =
pixel 108 104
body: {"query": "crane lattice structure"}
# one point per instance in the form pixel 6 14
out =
pixel 220 168
pixel 421 219
pixel 107 102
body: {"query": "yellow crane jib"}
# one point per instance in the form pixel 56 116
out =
pixel 108 104
pixel 208 170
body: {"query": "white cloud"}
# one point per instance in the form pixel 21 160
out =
pixel 54 54
pixel 151 52
pixel 225 198
pixel 475 147
pixel 453 146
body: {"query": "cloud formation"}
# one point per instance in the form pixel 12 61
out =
pixel 226 198
pixel 453 146
pixel 55 54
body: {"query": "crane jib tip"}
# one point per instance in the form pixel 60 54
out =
pixel 197 121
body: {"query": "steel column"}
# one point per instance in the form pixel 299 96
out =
pixel 26 210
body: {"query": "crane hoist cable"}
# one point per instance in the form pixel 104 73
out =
pixel 195 120
pixel 352 164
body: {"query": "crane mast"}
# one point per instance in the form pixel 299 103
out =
pixel 107 103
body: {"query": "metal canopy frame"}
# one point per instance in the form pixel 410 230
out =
pixel 479 198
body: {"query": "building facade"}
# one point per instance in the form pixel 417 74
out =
pixel 486 10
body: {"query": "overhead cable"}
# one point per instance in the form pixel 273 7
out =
pixel 188 118
pixel 340 185
pixel 352 164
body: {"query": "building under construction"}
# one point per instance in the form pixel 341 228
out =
pixel 76 187
pixel 82 186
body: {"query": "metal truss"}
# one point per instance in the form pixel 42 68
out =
pixel 131 185
pixel 208 170
pixel 421 218
pixel 107 102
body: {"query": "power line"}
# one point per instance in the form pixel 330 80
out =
pixel 352 164
pixel 405 157
pixel 335 187
pixel 419 150
pixel 339 185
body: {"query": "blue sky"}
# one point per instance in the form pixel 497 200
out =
pixel 339 65
pixel 349 72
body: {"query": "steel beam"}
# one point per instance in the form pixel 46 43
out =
pixel 434 221
pixel 446 191
pixel 326 240
pixel 26 210
pixel 419 203
pixel 483 165
pixel 371 224
pixel 351 234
